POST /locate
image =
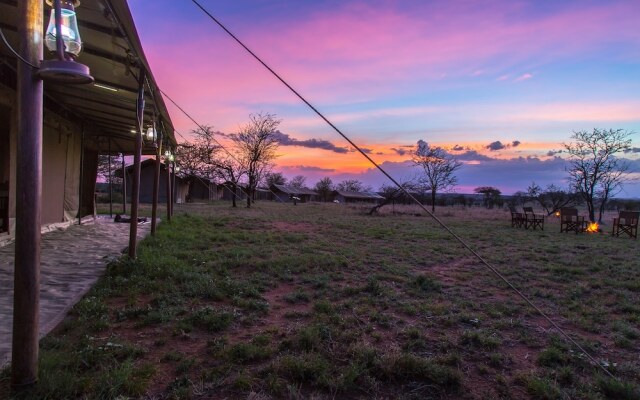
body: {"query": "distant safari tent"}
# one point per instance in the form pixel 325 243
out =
pixel 286 193
pixel 344 196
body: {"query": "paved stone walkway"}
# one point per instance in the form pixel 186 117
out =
pixel 72 260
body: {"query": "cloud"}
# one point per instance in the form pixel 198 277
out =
pixel 516 143
pixel 495 146
pixel 459 148
pixel 523 77
pixel 633 150
pixel 308 168
pixel 472 155
pixel 287 140
pixel 552 153
pixel 399 151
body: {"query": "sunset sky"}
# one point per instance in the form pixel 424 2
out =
pixel 500 84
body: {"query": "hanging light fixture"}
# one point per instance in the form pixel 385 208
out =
pixel 63 38
pixel 152 135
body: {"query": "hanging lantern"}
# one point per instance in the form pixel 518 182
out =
pixel 177 168
pixel 69 27
pixel 172 158
pixel 151 135
pixel 63 38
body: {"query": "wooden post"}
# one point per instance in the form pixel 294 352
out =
pixel 156 186
pixel 81 186
pixel 135 183
pixel 110 182
pixel 167 165
pixel 173 186
pixel 26 298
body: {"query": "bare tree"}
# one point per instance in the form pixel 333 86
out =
pixel 228 170
pixel 324 187
pixel 256 146
pixel 353 185
pixel 594 170
pixel 298 181
pixel 116 165
pixel 438 168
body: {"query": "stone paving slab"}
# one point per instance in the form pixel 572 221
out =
pixel 72 260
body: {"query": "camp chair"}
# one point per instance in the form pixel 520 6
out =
pixel 4 207
pixel 532 220
pixel 627 222
pixel 570 220
pixel 517 219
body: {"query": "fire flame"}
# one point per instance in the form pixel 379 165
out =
pixel 593 227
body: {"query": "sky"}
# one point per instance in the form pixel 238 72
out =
pixel 499 84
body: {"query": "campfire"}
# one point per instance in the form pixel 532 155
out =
pixel 593 227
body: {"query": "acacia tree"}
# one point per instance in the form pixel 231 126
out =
pixel 256 146
pixel 324 187
pixel 438 168
pixel 491 195
pixel 594 170
pixel 552 198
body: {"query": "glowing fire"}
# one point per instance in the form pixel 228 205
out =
pixel 593 227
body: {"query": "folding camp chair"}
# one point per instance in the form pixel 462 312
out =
pixel 532 220
pixel 627 222
pixel 571 221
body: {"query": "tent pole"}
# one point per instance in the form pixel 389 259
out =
pixel 110 182
pixel 135 183
pixel 24 352
pixel 124 186
pixel 156 187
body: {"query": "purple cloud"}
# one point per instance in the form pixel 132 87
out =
pixel 495 146
pixel 400 151
pixel 287 140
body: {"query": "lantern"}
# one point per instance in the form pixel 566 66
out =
pixel 63 38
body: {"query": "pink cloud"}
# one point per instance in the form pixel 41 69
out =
pixel 524 77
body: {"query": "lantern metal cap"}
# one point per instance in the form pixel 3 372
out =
pixel 64 71
pixel 76 3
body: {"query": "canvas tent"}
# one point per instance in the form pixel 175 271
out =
pixel 344 196
pixel 80 121
pixel 285 193
pixel 147 175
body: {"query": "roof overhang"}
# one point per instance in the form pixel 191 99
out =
pixel 114 54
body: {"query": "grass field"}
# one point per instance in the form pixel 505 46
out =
pixel 322 301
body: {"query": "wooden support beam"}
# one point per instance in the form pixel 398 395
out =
pixel 135 182
pixel 156 187
pixel 26 300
